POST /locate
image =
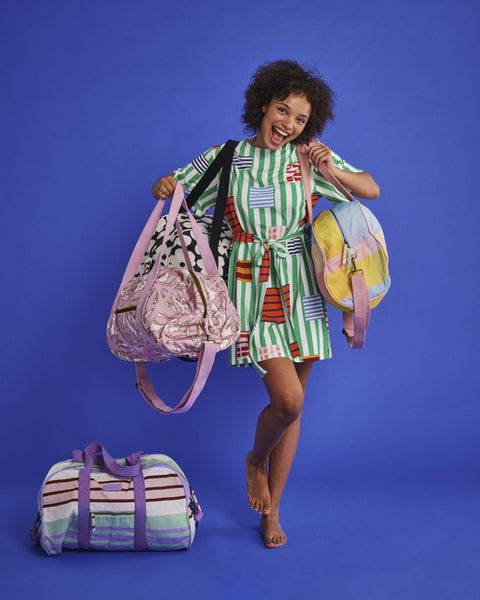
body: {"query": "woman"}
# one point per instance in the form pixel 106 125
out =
pixel 271 277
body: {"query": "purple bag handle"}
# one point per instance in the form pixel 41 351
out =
pixel 356 324
pixel 206 359
pixel 132 470
pixel 95 454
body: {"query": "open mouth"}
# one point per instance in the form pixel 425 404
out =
pixel 278 136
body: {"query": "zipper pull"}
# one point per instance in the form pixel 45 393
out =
pixel 349 258
pixel 345 253
pixel 92 521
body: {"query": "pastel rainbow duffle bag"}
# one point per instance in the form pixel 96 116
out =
pixel 349 255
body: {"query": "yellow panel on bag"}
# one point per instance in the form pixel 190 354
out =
pixel 374 268
pixel 330 239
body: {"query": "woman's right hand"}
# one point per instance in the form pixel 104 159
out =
pixel 164 188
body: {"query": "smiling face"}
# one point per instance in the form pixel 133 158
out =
pixel 283 121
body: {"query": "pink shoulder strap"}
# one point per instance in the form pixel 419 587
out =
pixel 356 324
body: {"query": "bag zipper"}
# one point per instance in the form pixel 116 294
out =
pixel 348 255
pixel 93 516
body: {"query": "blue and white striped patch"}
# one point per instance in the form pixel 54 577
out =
pixel 242 162
pixel 261 197
pixel 313 307
pixel 294 246
pixel 200 163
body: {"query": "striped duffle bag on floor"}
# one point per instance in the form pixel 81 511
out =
pixel 96 502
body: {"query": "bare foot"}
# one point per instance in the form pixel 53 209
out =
pixel 273 534
pixel 257 486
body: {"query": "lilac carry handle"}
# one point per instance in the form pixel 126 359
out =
pixel 206 358
pixel 355 324
pixel 129 471
pixel 95 454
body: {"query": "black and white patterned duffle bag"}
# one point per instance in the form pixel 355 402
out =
pixel 173 255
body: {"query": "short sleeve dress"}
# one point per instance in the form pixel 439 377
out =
pixel 271 277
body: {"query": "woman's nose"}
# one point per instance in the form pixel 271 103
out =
pixel 288 122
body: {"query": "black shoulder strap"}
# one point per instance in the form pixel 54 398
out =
pixel 222 161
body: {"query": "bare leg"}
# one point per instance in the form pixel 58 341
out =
pixel 286 393
pixel 281 460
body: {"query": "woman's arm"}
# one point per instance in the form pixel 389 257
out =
pixel 189 176
pixel 361 184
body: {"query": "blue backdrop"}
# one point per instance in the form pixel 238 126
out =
pixel 99 100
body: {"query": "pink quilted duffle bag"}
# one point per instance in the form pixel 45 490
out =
pixel 171 312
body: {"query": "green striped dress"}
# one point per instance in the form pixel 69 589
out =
pixel 271 277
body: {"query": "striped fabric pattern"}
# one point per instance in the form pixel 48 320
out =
pixel 262 197
pixel 231 216
pixel 273 306
pixel 323 188
pixel 200 164
pixel 313 307
pixel 295 349
pixel 242 162
pixel 294 246
pixel 244 270
pixel 267 213
pixel 265 267
pixel 169 518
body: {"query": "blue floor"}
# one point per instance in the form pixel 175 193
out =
pixel 353 535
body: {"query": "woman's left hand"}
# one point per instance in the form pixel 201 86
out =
pixel 321 154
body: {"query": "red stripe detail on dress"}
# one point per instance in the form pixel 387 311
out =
pixel 243 343
pixel 293 172
pixel 294 349
pixel 265 266
pixel 243 270
pixel 304 221
pixel 231 215
pixel 272 309
pixel 286 294
pixel 242 236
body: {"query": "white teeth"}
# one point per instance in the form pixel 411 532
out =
pixel 280 131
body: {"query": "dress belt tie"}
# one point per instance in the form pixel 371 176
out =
pixel 262 259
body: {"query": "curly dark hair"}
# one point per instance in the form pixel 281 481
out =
pixel 279 79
